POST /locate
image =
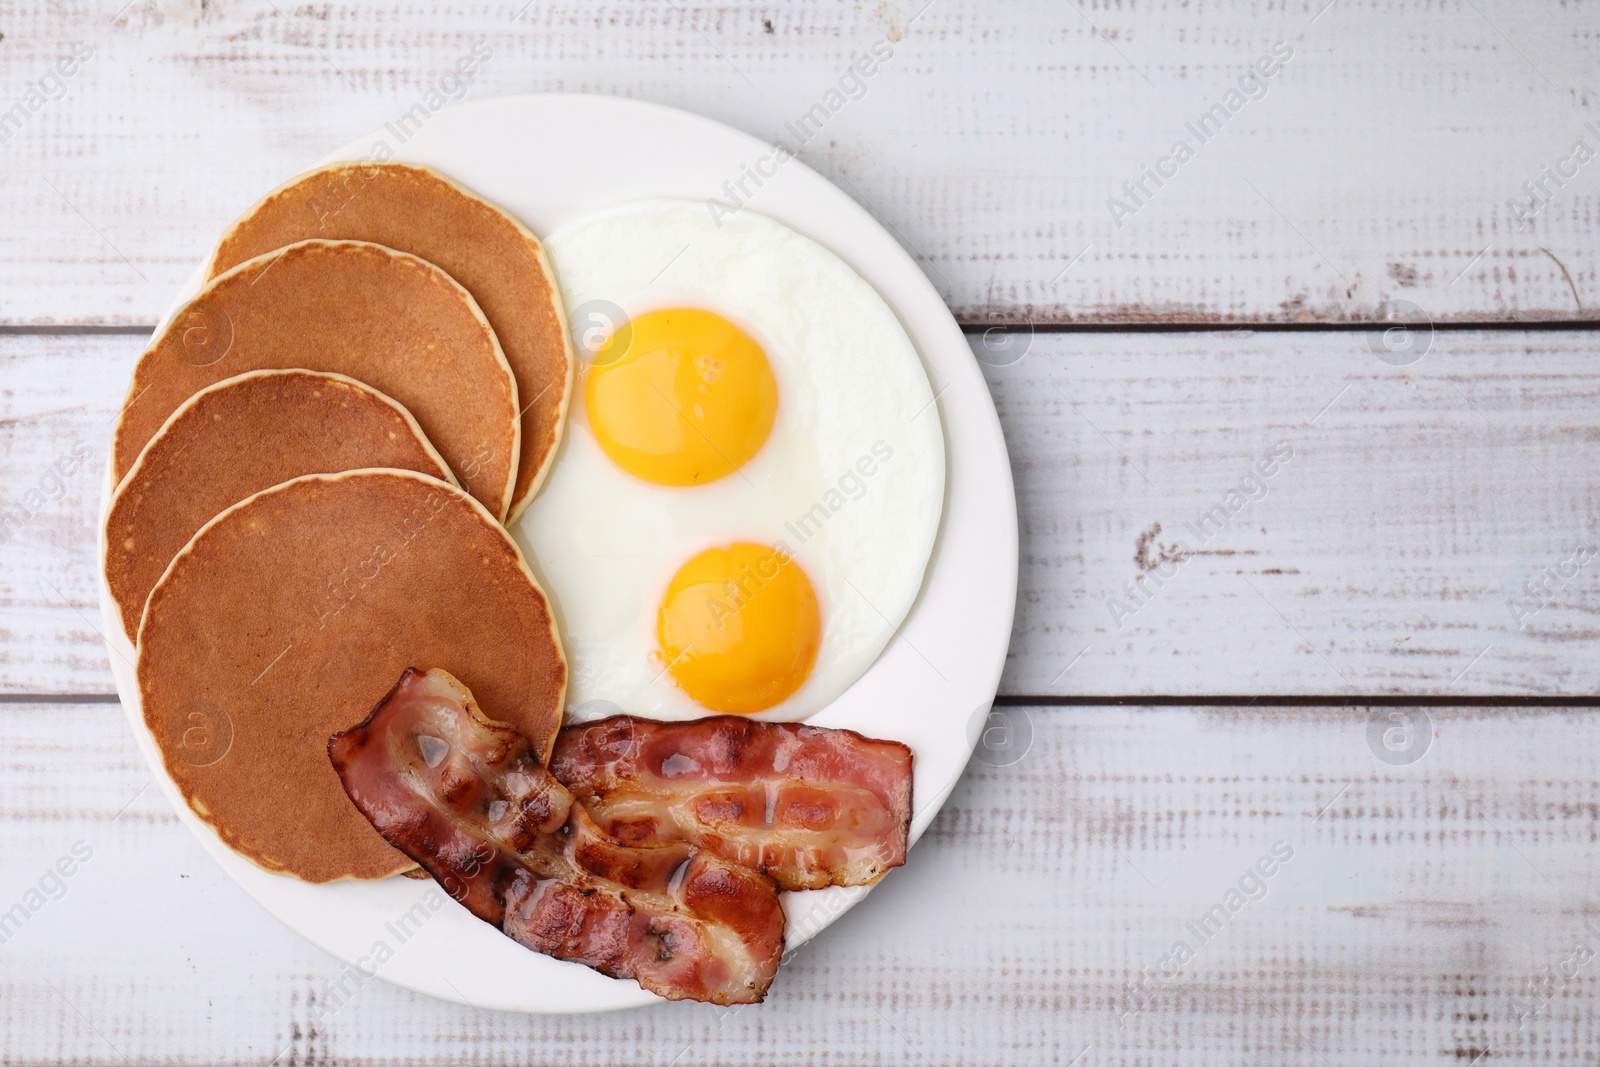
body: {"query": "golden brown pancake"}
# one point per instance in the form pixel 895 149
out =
pixel 239 437
pixel 393 321
pixel 420 211
pixel 291 614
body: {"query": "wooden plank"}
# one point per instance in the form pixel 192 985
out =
pixel 1378 162
pixel 58 404
pixel 1421 529
pixel 1408 918
pixel 1391 553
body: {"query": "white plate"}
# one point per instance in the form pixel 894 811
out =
pixel 548 159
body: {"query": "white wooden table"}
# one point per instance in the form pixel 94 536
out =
pixel 1371 676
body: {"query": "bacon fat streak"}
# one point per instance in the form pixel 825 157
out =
pixel 809 806
pixel 467 799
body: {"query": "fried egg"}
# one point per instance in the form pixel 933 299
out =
pixel 746 500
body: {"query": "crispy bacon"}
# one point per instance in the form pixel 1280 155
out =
pixel 809 806
pixel 466 798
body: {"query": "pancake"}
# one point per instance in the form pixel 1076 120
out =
pixel 290 615
pixel 393 321
pixel 237 438
pixel 420 211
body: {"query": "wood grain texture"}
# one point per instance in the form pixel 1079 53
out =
pixel 1416 906
pixel 1379 163
pixel 1432 529
pixel 1391 554
pixel 59 400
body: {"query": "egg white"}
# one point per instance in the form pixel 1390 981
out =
pixel 850 482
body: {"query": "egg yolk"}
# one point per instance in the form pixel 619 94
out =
pixel 739 627
pixel 688 399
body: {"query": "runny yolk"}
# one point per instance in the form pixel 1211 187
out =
pixel 680 397
pixel 739 627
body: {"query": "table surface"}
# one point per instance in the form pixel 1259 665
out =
pixel 1321 786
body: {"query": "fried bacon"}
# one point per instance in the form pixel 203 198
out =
pixel 808 806
pixel 467 799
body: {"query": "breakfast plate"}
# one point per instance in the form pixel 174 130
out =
pixel 930 688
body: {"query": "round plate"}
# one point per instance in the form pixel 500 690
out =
pixel 934 683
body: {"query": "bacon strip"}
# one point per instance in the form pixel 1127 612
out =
pixel 467 799
pixel 808 806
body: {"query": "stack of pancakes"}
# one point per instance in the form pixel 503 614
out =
pixel 312 469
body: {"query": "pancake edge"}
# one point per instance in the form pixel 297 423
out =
pixel 160 336
pixel 193 401
pixel 483 512
pixel 519 502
